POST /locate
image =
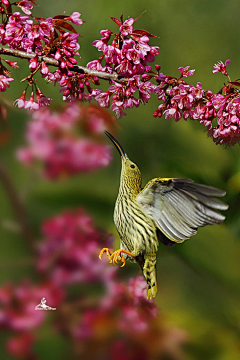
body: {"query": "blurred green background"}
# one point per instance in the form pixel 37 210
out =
pixel 199 281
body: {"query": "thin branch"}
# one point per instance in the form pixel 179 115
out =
pixel 76 68
pixel 16 205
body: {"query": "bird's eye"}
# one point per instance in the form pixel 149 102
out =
pixel 132 166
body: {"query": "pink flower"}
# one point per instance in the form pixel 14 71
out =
pixel 185 72
pixel 26 6
pixel 20 103
pixel 46 28
pixel 99 44
pixel 71 247
pixel 145 89
pixel 112 54
pixel 56 76
pixel 173 112
pixel 27 44
pixel 33 63
pixel 188 114
pixel 105 34
pixel 75 18
pixel 118 107
pixel 42 100
pixel 95 65
pixel 220 67
pixel 133 55
pixel 11 63
pixel 126 28
pixel 125 68
pixel 101 97
pixel 4 82
pixel 58 54
pixel 198 91
pixel 44 69
pixel 182 96
pixel 143 46
pixel 31 103
pixel 18 18
pixel 70 43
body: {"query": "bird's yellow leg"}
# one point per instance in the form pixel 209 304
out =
pixel 117 256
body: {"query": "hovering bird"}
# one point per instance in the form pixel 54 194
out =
pixel 169 210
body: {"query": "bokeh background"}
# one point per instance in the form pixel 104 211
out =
pixel 199 280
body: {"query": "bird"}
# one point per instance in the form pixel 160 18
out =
pixel 166 210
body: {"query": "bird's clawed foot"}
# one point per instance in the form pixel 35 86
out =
pixel 105 250
pixel 118 256
pixel 115 256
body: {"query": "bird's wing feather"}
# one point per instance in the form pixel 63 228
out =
pixel 179 206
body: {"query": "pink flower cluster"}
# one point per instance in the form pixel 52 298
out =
pixel 4 82
pixel 227 110
pixel 5 74
pixel 69 253
pixel 180 99
pixel 18 313
pixel 136 310
pixel 127 55
pixel 54 139
pixel 52 37
pixel 23 34
pixel 134 330
pixel 32 104
pixel 18 304
pixel 129 52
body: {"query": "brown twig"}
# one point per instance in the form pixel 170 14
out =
pixel 76 68
pixel 16 204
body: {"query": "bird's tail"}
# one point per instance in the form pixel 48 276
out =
pixel 149 272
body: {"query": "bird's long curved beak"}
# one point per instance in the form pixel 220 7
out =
pixel 118 146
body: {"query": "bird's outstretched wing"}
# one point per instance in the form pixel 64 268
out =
pixel 179 207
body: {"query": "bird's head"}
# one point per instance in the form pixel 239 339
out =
pixel 130 171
